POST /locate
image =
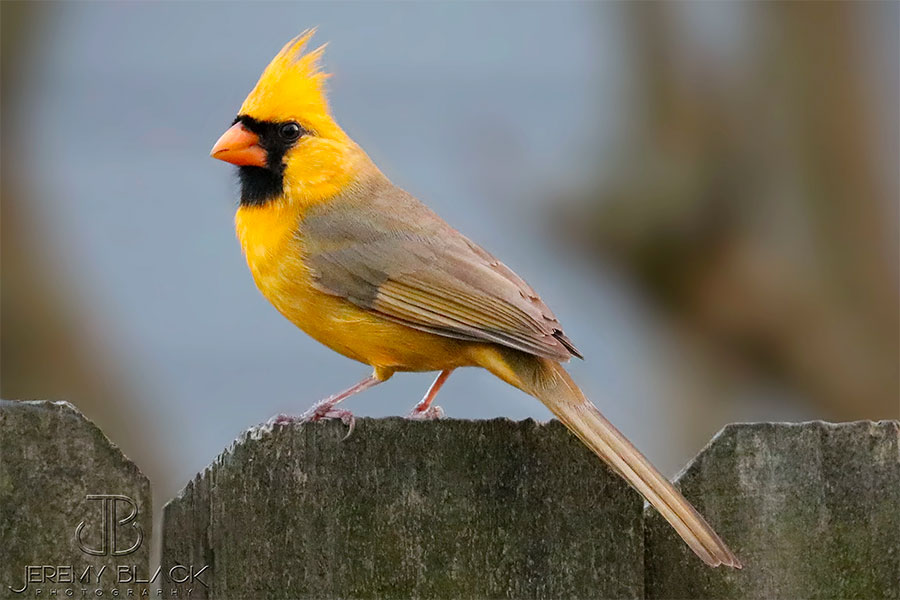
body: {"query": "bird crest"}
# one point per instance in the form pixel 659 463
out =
pixel 292 87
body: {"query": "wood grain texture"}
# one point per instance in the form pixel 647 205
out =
pixel 446 509
pixel 812 509
pixel 51 459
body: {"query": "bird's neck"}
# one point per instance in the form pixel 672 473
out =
pixel 264 229
pixel 327 176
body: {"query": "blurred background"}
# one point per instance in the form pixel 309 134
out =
pixel 705 193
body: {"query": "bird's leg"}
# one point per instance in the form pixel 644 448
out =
pixel 325 409
pixel 424 410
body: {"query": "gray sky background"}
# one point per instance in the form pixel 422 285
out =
pixel 483 111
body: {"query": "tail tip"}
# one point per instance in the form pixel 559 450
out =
pixel 728 560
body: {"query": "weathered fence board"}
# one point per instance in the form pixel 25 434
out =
pixel 57 470
pixel 461 509
pixel 812 509
pixel 447 509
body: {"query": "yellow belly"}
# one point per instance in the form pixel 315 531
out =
pixel 275 258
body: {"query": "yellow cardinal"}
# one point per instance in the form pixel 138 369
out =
pixel 372 273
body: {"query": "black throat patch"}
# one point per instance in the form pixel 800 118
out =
pixel 259 185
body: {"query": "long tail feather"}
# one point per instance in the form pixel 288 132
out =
pixel 549 382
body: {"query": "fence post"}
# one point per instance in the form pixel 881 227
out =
pixel 66 496
pixel 458 509
pixel 441 509
pixel 812 509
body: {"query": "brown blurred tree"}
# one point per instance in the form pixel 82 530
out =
pixel 48 351
pixel 749 206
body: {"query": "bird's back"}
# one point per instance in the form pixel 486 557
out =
pixel 386 252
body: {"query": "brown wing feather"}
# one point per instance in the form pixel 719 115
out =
pixel 384 251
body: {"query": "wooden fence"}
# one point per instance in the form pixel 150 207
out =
pixel 444 509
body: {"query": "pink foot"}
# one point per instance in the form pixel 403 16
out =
pixel 319 412
pixel 283 419
pixel 432 413
pixel 324 411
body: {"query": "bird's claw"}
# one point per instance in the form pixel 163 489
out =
pixel 320 412
pixel 283 419
pixel 432 413
pixel 325 412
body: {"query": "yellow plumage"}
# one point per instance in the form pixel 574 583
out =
pixel 372 273
pixel 292 87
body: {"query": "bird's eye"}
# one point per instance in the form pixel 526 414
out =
pixel 290 131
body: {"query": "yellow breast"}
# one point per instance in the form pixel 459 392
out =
pixel 275 256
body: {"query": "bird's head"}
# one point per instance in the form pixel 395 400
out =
pixel 284 140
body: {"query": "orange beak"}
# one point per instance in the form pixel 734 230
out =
pixel 240 146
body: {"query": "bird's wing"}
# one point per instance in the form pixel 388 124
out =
pixel 384 251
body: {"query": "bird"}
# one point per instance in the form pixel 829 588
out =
pixel 372 273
